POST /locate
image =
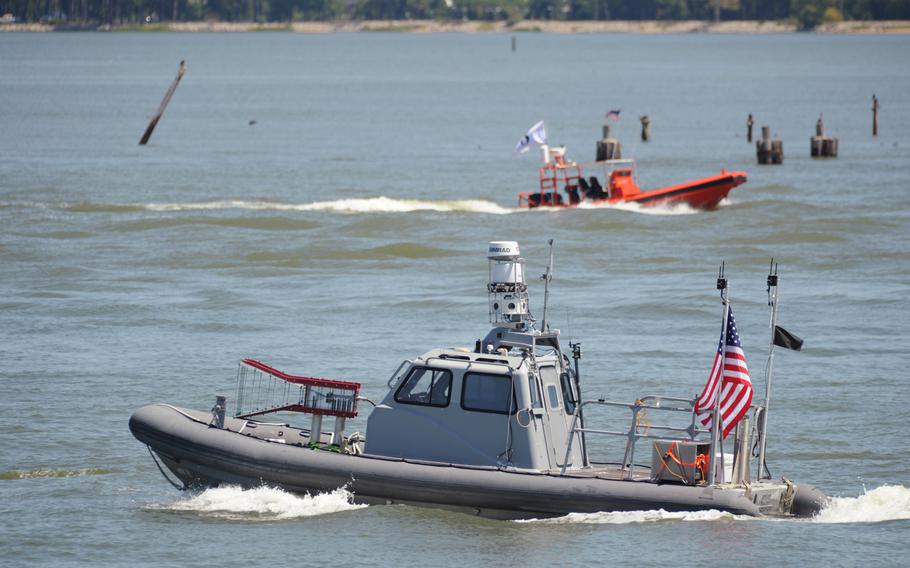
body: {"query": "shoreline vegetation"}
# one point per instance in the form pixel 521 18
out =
pixel 473 26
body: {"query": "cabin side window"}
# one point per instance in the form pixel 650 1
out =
pixel 554 398
pixel 534 392
pixel 551 384
pixel 568 394
pixel 426 386
pixel 488 393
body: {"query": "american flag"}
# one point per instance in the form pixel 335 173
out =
pixel 736 386
pixel 613 115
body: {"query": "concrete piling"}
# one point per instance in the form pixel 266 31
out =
pixel 821 146
pixel 769 151
pixel 608 148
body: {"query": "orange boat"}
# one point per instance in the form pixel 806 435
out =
pixel 558 175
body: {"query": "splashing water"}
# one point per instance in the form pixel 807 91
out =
pixel 661 209
pixel 630 517
pixel 678 208
pixel 262 504
pixel 885 503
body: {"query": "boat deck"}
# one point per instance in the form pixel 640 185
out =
pixel 292 435
pixel 611 471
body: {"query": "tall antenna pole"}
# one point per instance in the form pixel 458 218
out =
pixel 717 427
pixel 772 301
pixel 546 289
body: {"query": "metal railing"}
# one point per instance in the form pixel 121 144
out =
pixel 634 433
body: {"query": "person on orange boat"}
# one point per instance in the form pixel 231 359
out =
pixel 597 191
pixel 572 190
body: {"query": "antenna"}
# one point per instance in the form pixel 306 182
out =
pixel 548 275
pixel 722 281
pixel 769 368
pixel 508 291
pixel 717 440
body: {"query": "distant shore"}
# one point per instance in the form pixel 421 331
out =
pixel 437 26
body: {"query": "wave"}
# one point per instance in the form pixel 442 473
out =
pixel 379 204
pixel 45 473
pixel 885 503
pixel 261 504
pixel 261 223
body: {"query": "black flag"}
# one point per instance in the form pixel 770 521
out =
pixel 785 339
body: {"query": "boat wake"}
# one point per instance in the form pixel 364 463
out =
pixel 678 208
pixel 885 503
pixel 631 517
pixel 379 204
pixel 51 473
pixel 261 504
pixel 366 205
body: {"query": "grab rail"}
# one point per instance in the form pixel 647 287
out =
pixel 632 435
pixel 396 375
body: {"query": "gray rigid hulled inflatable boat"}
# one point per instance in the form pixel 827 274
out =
pixel 498 431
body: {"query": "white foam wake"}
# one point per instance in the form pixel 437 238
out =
pixel 678 208
pixel 885 503
pixel 630 517
pixel 262 503
pixel 380 204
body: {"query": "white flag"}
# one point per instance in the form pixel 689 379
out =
pixel 537 133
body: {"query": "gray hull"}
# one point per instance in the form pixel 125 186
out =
pixel 203 455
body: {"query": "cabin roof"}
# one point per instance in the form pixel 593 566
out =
pixel 454 355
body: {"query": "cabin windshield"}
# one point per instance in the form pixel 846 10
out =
pixel 426 386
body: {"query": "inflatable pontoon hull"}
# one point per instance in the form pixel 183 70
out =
pixel 203 455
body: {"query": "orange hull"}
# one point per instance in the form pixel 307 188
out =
pixel 705 193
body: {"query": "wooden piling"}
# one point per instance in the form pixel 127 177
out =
pixel 164 102
pixel 514 42
pixel 608 148
pixel 645 128
pixel 749 123
pixel 874 115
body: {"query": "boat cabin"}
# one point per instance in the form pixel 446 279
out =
pixel 454 406
pixel 622 184
pixel 509 402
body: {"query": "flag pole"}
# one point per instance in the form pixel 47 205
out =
pixel 717 427
pixel 772 301
pixel 545 324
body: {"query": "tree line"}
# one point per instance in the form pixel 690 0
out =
pixel 806 12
